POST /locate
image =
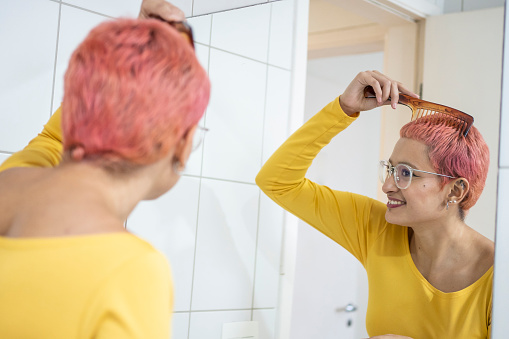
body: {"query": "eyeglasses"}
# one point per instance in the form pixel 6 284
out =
pixel 402 173
pixel 182 27
pixel 198 137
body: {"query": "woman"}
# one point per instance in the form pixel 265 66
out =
pixel 430 275
pixel 134 93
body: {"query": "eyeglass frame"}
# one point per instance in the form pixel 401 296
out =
pixel 200 134
pixel 391 170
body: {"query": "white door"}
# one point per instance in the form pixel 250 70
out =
pixel 327 277
pixel 326 302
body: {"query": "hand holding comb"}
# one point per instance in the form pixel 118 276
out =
pixel 440 113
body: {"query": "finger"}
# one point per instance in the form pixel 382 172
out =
pixel 370 80
pixel 394 94
pixel 405 90
pixel 170 13
pixel 385 83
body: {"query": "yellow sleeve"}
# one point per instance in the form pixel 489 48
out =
pixel 45 150
pixel 136 302
pixel 352 220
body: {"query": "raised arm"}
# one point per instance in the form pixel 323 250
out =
pixel 45 150
pixel 349 219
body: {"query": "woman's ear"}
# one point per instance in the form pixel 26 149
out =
pixel 459 189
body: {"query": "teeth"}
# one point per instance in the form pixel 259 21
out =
pixel 393 202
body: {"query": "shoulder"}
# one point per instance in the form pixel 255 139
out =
pixel 483 254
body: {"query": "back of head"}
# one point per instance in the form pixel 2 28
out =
pixel 453 154
pixel 132 89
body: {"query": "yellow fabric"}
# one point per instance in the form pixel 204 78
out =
pixel 401 301
pixel 43 151
pixel 101 286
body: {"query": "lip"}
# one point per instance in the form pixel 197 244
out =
pixel 389 205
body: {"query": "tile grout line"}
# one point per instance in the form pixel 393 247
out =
pixel 261 163
pixel 198 207
pixel 255 255
pixel 240 7
pixel 248 58
pixel 220 179
pixel 227 310
pixel 56 59
pixel 87 10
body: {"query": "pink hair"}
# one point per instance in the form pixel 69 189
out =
pixel 453 154
pixel 132 89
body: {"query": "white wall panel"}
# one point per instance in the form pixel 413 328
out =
pixel 169 223
pixel 471 5
pixel 277 107
pixel 194 163
pixel 281 34
pixel 180 326
pixel 201 26
pixel 75 24
pixel 244 31
pixel 225 253
pixel 235 117
pixel 201 7
pixel 266 323
pixel 268 254
pixel 28 35
pixel 112 8
pixel 501 292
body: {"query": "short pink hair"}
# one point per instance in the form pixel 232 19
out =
pixel 132 89
pixel 453 154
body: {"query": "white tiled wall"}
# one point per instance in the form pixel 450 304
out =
pixel 222 237
pixel 500 326
pixel 28 29
pixel 453 6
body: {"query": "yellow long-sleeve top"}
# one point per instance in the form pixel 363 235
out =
pixel 112 285
pixel 401 300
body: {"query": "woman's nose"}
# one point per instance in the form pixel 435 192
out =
pixel 389 185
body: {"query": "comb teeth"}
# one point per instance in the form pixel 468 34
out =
pixel 425 109
pixel 441 118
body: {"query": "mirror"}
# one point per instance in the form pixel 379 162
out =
pixel 434 58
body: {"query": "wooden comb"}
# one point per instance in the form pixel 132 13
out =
pixel 425 109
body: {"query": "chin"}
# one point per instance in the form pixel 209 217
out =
pixel 391 218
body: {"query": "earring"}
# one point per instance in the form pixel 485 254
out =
pixel 450 201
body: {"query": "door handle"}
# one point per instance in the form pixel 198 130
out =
pixel 348 308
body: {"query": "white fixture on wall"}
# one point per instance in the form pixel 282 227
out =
pixel 240 330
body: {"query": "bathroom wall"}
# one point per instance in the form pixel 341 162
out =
pixel 221 235
pixel 501 277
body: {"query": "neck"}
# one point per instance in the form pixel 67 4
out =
pixel 438 240
pixel 114 195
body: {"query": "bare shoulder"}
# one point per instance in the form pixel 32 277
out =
pixel 15 185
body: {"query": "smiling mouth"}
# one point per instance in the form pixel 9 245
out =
pixel 395 203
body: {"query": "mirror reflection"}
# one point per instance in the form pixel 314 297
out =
pixel 434 58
